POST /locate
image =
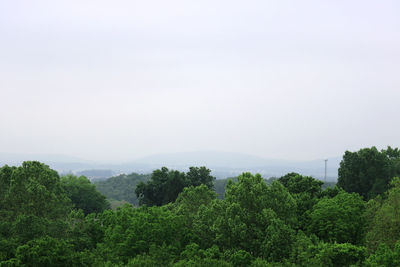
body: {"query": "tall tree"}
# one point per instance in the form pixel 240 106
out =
pixel 200 175
pixel 83 194
pixel 165 185
pixel 339 219
pixel 32 189
pixel 33 204
pixel 368 171
pixel 306 191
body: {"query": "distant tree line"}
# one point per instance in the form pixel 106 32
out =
pixel 122 187
pixel 165 185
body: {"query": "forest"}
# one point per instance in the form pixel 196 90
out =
pixel 173 218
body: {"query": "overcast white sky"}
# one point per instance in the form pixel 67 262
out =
pixel 117 80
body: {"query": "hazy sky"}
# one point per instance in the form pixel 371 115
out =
pixel 117 80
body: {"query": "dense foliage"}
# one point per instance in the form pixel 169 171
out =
pixel 83 194
pixel 165 185
pixel 369 171
pixel 291 221
pixel 118 189
pixel 122 187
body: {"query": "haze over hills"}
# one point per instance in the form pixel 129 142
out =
pixel 222 164
pixel 235 163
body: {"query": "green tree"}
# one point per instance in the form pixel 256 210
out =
pixel 278 241
pixel 32 189
pixel 83 194
pixel 339 219
pixel 303 249
pixel 129 232
pixel 253 194
pixel 33 204
pixel 165 185
pixel 337 255
pixel 47 251
pixel 193 255
pixel 368 171
pixel 306 191
pixel 220 185
pixel 189 201
pixel 298 184
pixel 238 257
pixel 384 215
pixel 204 223
pixel 84 232
pixel 384 256
pixel 200 175
pixel 253 217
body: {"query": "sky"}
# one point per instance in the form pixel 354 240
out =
pixel 119 80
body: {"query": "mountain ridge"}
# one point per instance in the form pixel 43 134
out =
pixel 223 164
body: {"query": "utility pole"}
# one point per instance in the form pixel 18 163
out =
pixel 326 164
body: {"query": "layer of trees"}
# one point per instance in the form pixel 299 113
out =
pixel 290 222
pixel 122 187
pixel 165 185
pixel 42 216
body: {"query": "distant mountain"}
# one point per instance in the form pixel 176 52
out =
pixel 96 174
pixel 208 158
pixel 16 158
pixel 60 163
pixel 228 164
pixel 222 164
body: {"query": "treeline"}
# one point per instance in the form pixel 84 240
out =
pixel 290 222
pixel 121 189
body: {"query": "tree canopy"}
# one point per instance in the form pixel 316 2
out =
pixel 33 204
pixel 165 185
pixel 384 227
pixel 332 219
pixel 122 187
pixel 368 171
pixel 83 194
